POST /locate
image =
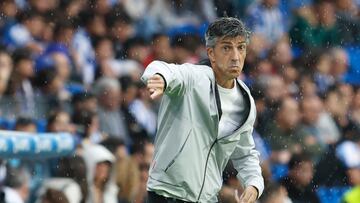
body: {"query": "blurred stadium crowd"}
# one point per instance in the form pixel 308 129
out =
pixel 75 65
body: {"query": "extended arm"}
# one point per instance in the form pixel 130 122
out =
pixel 166 78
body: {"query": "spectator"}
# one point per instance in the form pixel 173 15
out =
pixel 182 12
pixel 266 21
pixel 101 7
pixel 130 92
pixel 347 16
pixel 25 124
pixel 330 171
pixel 281 55
pixel 322 75
pixel 20 87
pixel 337 105
pixel 298 182
pixel 54 196
pixel 70 179
pixel 74 168
pixel 9 9
pixel 72 8
pixel 142 109
pixel 62 65
pixel 99 162
pixel 283 134
pixel 121 28
pixel 84 101
pixel 136 49
pixel 16 185
pixel 312 108
pixel 307 86
pixel 24 33
pixel 265 161
pixel 352 196
pixel 62 41
pixel 348 152
pixel 127 172
pixel 232 186
pixel 275 192
pixel 88 127
pixel 160 49
pixel 319 29
pixel 355 108
pixel 185 47
pixel 326 124
pixel 42 6
pixel 143 152
pixel 274 93
pixel 112 122
pixel 144 175
pixel 93 26
pixel 6 67
pixel 339 64
pixel 108 66
pixel 59 121
pixel 51 90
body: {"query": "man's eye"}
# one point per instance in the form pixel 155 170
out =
pixel 226 48
pixel 242 47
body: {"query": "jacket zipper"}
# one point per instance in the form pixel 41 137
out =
pixel 218 108
pixel 207 160
pixel 181 149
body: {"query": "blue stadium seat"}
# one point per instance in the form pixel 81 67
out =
pixel 353 75
pixel 41 125
pixel 185 29
pixel 7 124
pixel 74 88
pixel 331 194
pixel 279 171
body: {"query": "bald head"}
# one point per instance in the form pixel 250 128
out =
pixel 288 115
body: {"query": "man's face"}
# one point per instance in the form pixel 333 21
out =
pixel 102 172
pixel 26 68
pixel 303 173
pixel 228 56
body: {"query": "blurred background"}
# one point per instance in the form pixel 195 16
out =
pixel 74 66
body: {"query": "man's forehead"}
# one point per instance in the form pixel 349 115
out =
pixel 233 40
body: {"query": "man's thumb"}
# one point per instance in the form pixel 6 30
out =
pixel 156 94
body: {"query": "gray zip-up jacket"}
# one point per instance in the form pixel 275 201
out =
pixel 189 157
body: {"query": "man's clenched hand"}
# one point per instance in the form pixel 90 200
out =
pixel 155 85
pixel 249 195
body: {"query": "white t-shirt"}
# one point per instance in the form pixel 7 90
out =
pixel 12 196
pixel 232 106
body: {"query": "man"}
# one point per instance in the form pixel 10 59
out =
pixel 16 183
pixel 205 118
pixel 299 180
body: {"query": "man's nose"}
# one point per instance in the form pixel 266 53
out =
pixel 235 56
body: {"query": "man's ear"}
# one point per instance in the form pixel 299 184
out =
pixel 210 52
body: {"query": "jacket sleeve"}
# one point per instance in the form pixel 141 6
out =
pixel 246 161
pixel 177 77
